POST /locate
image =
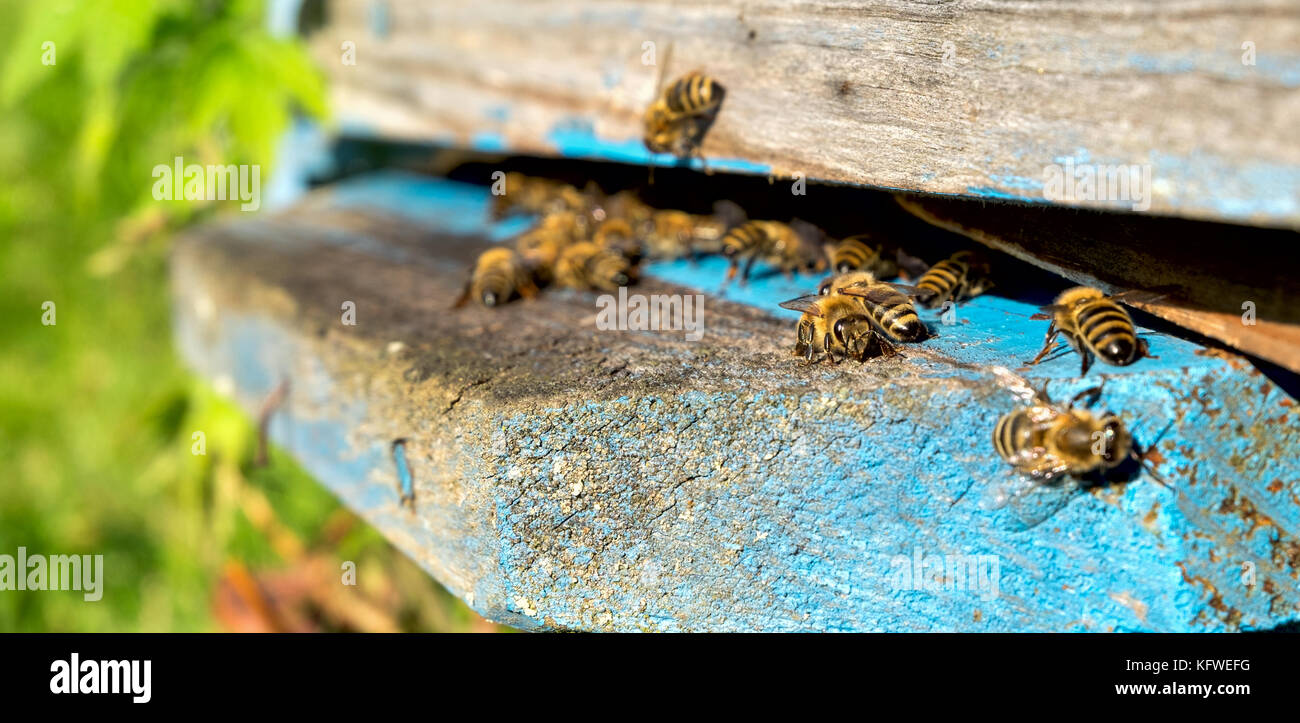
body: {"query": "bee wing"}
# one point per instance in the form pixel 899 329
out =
pixel 1049 309
pixel 1137 296
pixel 806 304
pixel 870 290
pixel 913 265
pixel 1037 500
pixel 810 234
pixel 729 213
pixel 908 289
pixel 1018 386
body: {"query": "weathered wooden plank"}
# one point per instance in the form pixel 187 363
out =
pixel 1231 283
pixel 969 97
pixel 568 477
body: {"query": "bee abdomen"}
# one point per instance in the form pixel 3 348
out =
pixel 693 94
pixel 1010 433
pixel 852 254
pixel 1108 331
pixel 942 278
pixel 744 237
pixel 901 321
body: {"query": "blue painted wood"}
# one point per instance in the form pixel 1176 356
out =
pixel 625 481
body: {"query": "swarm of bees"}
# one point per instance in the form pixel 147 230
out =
pixel 585 239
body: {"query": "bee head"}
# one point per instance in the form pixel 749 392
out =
pixel 1116 440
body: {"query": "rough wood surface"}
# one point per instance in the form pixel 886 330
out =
pixel 969 97
pixel 1213 279
pixel 571 478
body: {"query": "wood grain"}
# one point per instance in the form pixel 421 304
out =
pixel 968 97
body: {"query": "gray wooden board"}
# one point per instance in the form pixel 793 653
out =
pixel 968 97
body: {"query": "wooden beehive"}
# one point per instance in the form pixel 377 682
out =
pixel 570 478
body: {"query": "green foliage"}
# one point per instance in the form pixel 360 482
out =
pixel 96 412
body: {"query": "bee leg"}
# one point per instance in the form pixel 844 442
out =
pixel 826 345
pixel 1052 331
pixel 887 347
pixel 1144 350
pixel 749 265
pixel 528 289
pixel 1093 392
pixel 1150 468
pixel 1087 361
pixel 464 295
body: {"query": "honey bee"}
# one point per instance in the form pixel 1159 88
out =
pixel 540 249
pixel 678 119
pixel 628 206
pixel 1094 325
pixel 499 275
pixel 780 244
pixel 1050 447
pixel 835 324
pixel 672 234
pixel 888 305
pixel 957 278
pixel 530 195
pixel 616 234
pixel 584 265
pixel 855 253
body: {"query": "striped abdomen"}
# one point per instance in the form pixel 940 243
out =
pixel 586 265
pixel 1107 330
pixel 745 238
pixel 495 276
pixel 941 281
pixel 694 94
pixel 852 254
pixel 894 312
pixel 1016 433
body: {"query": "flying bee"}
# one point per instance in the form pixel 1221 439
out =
pixel 1094 325
pixel 782 245
pixel 856 253
pixel 835 324
pixel 1051 446
pixel 888 305
pixel 584 265
pixel 678 119
pixel 957 278
pixel 499 275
